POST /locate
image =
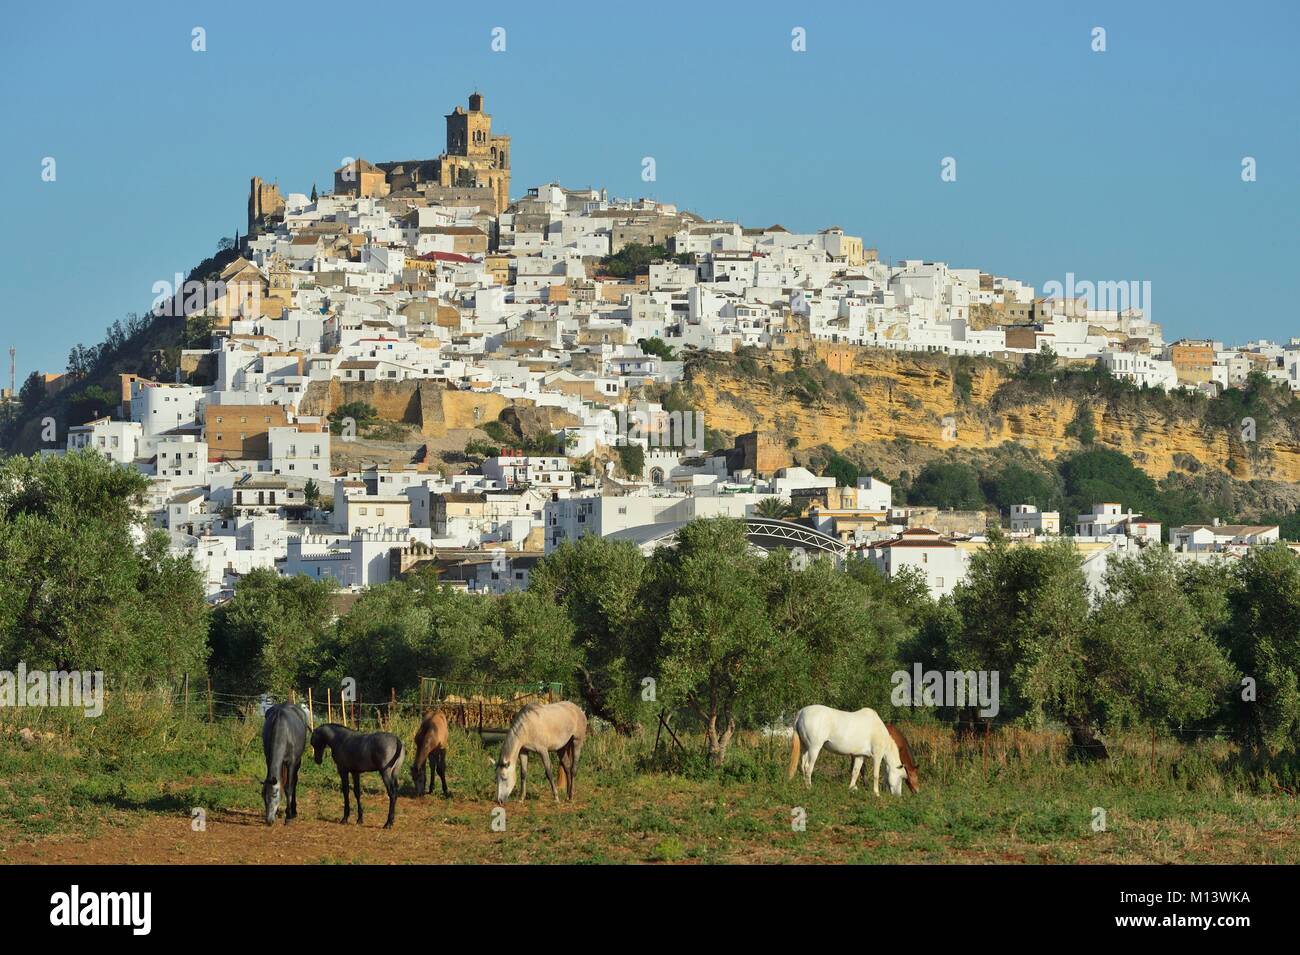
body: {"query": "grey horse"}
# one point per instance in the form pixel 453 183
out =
pixel 358 753
pixel 284 736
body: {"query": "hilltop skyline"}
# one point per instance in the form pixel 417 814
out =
pixel 1114 166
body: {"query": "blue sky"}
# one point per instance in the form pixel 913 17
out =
pixel 1116 166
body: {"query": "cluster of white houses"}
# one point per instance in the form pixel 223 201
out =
pixel 425 270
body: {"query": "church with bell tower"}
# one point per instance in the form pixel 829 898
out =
pixel 475 158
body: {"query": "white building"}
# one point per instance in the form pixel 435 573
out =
pixel 941 563
pixel 1108 520
pixel 550 472
pixel 181 461
pixel 1026 518
pixel 116 440
pixel 1221 538
pixel 295 453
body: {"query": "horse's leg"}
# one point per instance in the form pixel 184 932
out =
pixel 875 782
pixel 857 768
pixel 575 749
pixel 442 772
pixel 347 810
pixel 390 783
pixel 523 776
pixel 356 786
pixel 293 792
pixel 546 765
pixel 809 762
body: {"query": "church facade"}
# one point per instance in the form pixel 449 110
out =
pixel 474 169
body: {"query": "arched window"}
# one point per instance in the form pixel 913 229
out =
pixel 657 476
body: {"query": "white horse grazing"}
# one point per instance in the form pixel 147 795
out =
pixel 542 728
pixel 859 734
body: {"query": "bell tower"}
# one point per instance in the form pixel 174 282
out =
pixel 475 158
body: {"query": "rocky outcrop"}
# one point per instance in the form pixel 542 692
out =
pixel 845 397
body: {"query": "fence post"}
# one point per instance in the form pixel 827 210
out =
pixel 392 703
pixel 186 710
pixel 1153 750
pixel 209 699
pixel 311 711
pixel 329 704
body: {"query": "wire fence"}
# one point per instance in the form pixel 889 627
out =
pixel 482 706
pixel 489 707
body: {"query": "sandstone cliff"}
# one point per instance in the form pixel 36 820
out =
pixel 846 397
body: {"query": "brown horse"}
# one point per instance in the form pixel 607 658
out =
pixel 430 752
pixel 909 764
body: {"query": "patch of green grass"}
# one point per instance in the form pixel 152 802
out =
pixel 1012 803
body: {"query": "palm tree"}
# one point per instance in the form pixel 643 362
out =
pixel 772 507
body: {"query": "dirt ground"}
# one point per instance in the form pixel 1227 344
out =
pixel 427 830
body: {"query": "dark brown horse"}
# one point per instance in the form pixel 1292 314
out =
pixel 356 753
pixel 909 764
pixel 430 752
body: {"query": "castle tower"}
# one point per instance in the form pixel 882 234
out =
pixel 265 203
pixel 475 158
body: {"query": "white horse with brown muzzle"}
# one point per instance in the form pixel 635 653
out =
pixel 542 728
pixel 859 734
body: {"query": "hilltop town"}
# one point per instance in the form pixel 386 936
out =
pixel 412 369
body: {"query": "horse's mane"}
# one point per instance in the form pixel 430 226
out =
pixel 903 752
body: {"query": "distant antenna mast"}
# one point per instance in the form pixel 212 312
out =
pixel 13 372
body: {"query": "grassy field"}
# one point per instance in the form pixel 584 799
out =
pixel 122 788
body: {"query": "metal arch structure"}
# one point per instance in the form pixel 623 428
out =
pixel 771 533
pixel 762 532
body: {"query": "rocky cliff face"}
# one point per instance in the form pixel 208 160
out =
pixel 865 396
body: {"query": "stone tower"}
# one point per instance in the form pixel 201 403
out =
pixel 264 204
pixel 475 158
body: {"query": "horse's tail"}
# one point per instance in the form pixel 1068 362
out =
pixel 794 754
pixel 562 777
pixel 397 757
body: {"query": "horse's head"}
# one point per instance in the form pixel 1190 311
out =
pixel 902 768
pixel 913 779
pixel 505 778
pixel 895 773
pixel 271 797
pixel 319 740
